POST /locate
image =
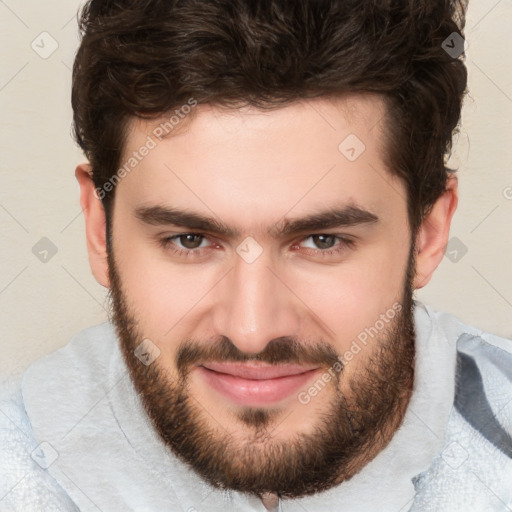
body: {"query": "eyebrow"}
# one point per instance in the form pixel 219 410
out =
pixel 347 216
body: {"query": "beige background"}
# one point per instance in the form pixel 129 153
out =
pixel 42 305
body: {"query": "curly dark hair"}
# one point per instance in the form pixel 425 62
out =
pixel 144 58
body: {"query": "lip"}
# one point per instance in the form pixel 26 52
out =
pixel 255 384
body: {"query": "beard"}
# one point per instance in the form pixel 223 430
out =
pixel 357 423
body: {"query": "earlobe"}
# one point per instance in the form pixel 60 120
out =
pixel 95 224
pixel 434 232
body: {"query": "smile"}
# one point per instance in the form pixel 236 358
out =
pixel 255 384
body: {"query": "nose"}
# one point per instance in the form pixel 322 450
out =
pixel 255 305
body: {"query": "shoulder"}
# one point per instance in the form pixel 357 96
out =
pixel 465 335
pixel 484 366
pixel 24 482
pixel 492 354
pixel 477 451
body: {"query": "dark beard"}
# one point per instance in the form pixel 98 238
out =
pixel 351 431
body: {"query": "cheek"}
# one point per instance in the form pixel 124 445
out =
pixel 351 297
pixel 163 296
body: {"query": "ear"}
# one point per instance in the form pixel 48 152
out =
pixel 95 224
pixel 433 234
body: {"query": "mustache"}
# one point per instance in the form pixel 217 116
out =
pixel 280 350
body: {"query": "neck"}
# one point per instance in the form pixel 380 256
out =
pixel 270 501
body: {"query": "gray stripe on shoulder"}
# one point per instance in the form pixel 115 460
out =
pixel 471 402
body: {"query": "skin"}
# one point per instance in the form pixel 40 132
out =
pixel 250 170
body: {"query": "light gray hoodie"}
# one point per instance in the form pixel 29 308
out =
pixel 74 436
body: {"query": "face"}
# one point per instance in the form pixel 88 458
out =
pixel 266 260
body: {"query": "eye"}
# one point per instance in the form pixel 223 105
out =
pixel 323 241
pixel 327 244
pixel 184 244
pixel 190 240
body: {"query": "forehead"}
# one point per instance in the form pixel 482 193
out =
pixel 246 162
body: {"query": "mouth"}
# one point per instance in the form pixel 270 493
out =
pixel 255 384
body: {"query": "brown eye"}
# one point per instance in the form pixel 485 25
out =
pixel 190 240
pixel 324 241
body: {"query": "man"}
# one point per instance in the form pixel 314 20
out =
pixel 266 188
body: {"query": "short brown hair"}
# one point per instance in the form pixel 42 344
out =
pixel 143 58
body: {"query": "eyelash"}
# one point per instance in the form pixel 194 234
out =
pixel 167 243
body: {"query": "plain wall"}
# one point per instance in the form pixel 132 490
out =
pixel 43 304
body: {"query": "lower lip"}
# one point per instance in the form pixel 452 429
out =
pixel 251 392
